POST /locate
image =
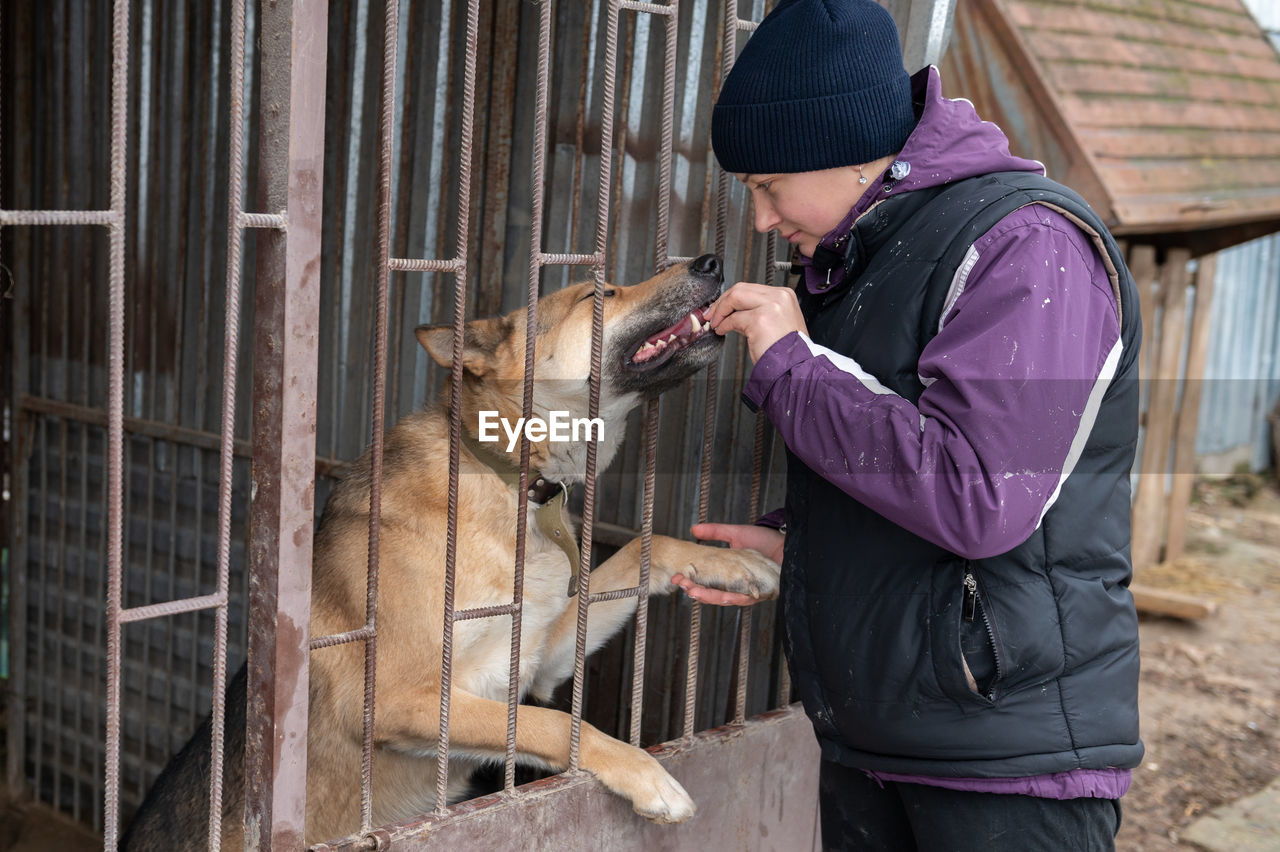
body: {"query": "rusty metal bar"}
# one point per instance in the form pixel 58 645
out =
pixel 646 555
pixel 530 341
pixel 666 138
pixel 293 40
pixel 646 6
pixel 141 613
pixel 596 259
pixel 237 219
pixel 455 384
pixel 357 635
pixel 391 30
pixel 402 264
pixel 115 413
pixel 486 612
pixel 155 429
pixel 257 220
pixel 597 338
pixel 46 218
pixel 619 594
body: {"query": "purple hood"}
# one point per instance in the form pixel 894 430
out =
pixel 949 143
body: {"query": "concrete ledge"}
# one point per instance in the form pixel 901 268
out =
pixel 756 787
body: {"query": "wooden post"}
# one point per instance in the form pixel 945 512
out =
pixel 1149 505
pixel 1184 463
pixel 1142 266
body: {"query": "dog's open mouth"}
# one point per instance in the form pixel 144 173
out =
pixel 658 347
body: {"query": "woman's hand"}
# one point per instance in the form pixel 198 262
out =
pixel 764 540
pixel 762 314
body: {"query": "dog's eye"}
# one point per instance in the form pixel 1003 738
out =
pixel 607 293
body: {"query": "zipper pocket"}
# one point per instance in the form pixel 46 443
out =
pixel 970 610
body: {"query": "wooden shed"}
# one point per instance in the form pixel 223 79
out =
pixel 1165 115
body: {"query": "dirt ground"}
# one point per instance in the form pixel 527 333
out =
pixel 1210 693
pixel 1210 688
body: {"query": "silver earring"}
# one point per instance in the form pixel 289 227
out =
pixel 861 177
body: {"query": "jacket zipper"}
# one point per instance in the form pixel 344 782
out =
pixel 969 611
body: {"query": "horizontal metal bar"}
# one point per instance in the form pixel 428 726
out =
pixel 485 612
pixel 141 613
pixel 358 635
pixel 408 264
pixel 651 8
pixel 615 595
pixel 747 26
pixel 134 425
pixel 262 220
pixel 154 429
pixel 614 535
pixel 60 217
pixel 571 259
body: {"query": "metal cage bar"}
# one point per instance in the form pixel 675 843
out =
pixel 286 312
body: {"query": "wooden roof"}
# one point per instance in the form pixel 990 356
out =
pixel 1164 114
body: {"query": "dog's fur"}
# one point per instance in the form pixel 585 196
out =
pixel 411 583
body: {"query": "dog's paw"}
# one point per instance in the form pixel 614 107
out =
pixel 652 791
pixel 743 571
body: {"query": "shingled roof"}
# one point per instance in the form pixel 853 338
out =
pixel 1164 114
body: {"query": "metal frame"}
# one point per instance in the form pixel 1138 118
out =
pixel 290 152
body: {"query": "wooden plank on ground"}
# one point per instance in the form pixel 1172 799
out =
pixel 1173 604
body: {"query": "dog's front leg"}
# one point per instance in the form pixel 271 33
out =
pixel 744 571
pixel 478 726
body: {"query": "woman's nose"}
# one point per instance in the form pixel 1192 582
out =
pixel 766 218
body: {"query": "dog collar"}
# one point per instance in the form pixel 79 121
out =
pixel 551 498
pixel 541 489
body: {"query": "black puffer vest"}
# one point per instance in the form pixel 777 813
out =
pixel 876 616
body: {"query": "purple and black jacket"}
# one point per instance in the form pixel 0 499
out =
pixel 960 422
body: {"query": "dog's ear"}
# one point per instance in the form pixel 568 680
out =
pixel 480 342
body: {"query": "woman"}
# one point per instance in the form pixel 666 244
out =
pixel 955 378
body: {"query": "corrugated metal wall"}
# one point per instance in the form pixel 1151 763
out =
pixel 1243 371
pixel 56 56
pixel 1242 375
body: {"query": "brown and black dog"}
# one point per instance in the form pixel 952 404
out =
pixel 653 339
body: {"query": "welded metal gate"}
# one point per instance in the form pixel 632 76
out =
pixel 620 131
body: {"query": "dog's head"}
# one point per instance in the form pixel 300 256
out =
pixel 653 339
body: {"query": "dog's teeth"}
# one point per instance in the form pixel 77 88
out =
pixel 693 320
pixel 671 339
pixel 647 346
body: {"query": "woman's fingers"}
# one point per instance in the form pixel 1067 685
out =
pixel 715 597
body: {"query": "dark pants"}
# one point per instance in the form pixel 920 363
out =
pixel 858 814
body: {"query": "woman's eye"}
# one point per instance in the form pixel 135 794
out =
pixel 765 186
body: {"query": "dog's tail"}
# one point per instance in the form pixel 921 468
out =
pixel 175 813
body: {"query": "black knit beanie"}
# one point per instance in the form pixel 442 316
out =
pixel 820 84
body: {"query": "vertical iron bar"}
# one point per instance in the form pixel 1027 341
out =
pixel 597 335
pixel 662 257
pixel 391 36
pixel 531 333
pixel 646 555
pixel 115 412
pixel 286 318
pixel 230 358
pixel 455 385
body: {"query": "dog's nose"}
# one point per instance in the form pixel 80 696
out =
pixel 708 264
